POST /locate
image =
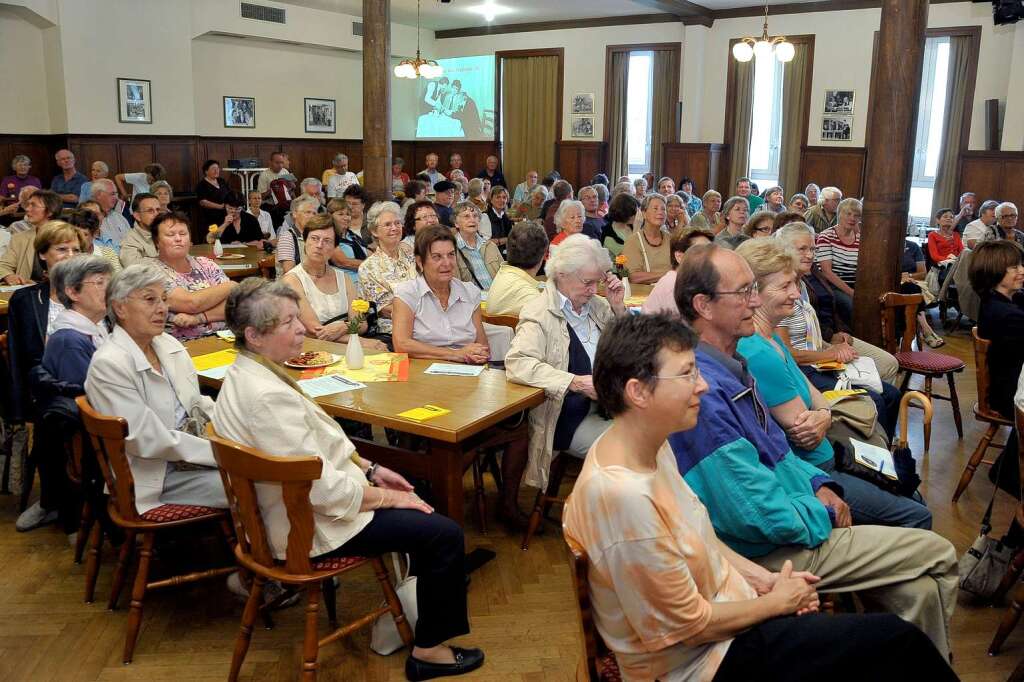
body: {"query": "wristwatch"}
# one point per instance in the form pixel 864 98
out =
pixel 370 471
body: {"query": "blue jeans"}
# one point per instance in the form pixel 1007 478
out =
pixel 872 506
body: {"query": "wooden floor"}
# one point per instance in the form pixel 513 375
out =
pixel 521 607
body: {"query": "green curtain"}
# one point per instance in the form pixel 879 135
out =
pixel 529 120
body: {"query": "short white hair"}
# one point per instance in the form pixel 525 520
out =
pixel 104 185
pixel 539 189
pixel 103 165
pixel 829 193
pixel 1003 207
pixel 575 253
pixel 587 189
pixel 379 209
pixel 129 280
pixel 563 211
pixel 299 201
pixel 790 231
pixel 340 157
pixel 310 181
pixel 20 158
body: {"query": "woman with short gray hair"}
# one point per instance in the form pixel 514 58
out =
pixel 531 208
pixel 11 185
pixel 569 218
pixel 389 265
pixel 164 193
pixel 554 348
pixel 478 257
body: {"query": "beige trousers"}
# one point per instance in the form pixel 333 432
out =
pixel 887 365
pixel 906 571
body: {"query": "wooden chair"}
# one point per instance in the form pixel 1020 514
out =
pixel 548 496
pixel 502 320
pixel 107 435
pixel 928 364
pixel 1016 567
pixel 983 413
pixel 241 468
pixel 601 665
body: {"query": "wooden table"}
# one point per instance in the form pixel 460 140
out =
pixel 253 262
pixel 477 404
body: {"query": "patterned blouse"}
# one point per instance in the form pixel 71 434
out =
pixel 380 273
pixel 204 274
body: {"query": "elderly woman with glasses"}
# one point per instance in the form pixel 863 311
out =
pixel 569 219
pixel 387 267
pixel 836 251
pixel 359 508
pixel 554 350
pixel 759 225
pixel 478 256
pixel 147 377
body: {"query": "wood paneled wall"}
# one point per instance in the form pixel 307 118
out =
pixel 841 167
pixel 40 148
pixel 577 162
pixel 699 162
pixel 993 175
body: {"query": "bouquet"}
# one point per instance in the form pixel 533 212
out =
pixel 620 270
pixel 361 308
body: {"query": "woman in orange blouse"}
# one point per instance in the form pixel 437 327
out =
pixel 670 599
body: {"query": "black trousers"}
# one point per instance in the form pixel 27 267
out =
pixel 816 647
pixel 438 550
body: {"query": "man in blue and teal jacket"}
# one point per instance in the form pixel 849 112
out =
pixel 767 503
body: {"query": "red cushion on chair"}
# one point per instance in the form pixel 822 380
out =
pixel 929 362
pixel 336 563
pixel 608 668
pixel 166 513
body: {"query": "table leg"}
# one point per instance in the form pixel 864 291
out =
pixel 445 473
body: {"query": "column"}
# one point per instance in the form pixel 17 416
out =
pixel 377 98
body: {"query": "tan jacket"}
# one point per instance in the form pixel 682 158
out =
pixel 136 246
pixel 511 289
pixel 539 357
pixel 492 259
pixel 20 256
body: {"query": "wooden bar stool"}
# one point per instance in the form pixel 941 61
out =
pixel 928 364
pixel 108 435
pixel 983 413
pixel 600 663
pixel 241 468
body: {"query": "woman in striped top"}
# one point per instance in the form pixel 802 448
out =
pixel 836 251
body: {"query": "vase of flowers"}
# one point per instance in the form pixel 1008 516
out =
pixel 622 272
pixel 354 348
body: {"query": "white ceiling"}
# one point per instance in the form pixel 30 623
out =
pixel 456 14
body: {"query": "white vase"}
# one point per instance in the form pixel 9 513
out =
pixel 627 292
pixel 354 352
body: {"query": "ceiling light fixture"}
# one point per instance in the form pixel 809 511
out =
pixel 763 47
pixel 415 68
pixel 489 10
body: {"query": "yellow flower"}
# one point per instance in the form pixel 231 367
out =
pixel 621 260
pixel 213 228
pixel 361 306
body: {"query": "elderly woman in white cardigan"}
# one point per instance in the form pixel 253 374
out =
pixel 554 350
pixel 147 377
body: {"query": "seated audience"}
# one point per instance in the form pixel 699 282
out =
pixel 337 179
pixel 454 164
pixel 678 218
pixel 277 186
pixel 289 252
pixel 196 287
pixel 435 315
pixel 444 197
pixel 68 183
pixel 524 188
pixel 415 190
pixel 836 251
pixel 387 267
pixel 774 200
pixel 88 225
pixel 592 220
pixel 619 224
pixel 138 243
pixel 311 188
pixel 417 216
pixel 238 226
pixel 997 275
pixel 263 218
pixel 359 508
pixel 325 294
pixel 461 184
pixel 647 250
pixel 18 264
pixel 351 251
pixel 41 206
pixel 602 202
pixel 694 205
pixel 531 208
pixel 560 191
pixel 662 296
pixel 17 209
pixel 823 214
pixel 164 193
pixel 569 218
pixel 497 215
pixel 795 404
pixel 476 192
pixel 666 186
pixel 1006 223
pixel 912 276
pixel 983 228
pixel 759 225
pixel 399 178
pixel 356 199
pixel 785 218
pixel 670 599
pixel 640 188
pixel 747 189
pixel 768 504
pixel 114 226
pixel 433 175
pixel 11 185
pixel 478 257
pixel 811 192
pixel 798 203
pixel 492 172
pixel 147 377
pixel 97 171
pixel 709 217
pixel 734 216
pixel 139 182
pixel 211 193
pixel 623 186
pixel 514 284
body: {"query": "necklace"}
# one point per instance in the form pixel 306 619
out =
pixel 660 240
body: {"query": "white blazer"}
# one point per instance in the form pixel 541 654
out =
pixel 258 409
pixel 121 382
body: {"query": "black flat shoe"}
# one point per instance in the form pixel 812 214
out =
pixel 466 660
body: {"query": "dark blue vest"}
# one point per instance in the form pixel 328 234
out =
pixel 575 406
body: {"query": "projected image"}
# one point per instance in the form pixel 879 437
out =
pixel 459 104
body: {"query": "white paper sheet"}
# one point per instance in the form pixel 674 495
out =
pixel 214 372
pixel 454 370
pixel 13 287
pixel 874 457
pixel 328 385
pixel 234 266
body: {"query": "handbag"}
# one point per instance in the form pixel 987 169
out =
pixel 863 372
pixel 985 562
pixel 384 638
pixel 932 281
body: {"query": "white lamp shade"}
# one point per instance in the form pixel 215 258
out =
pixel 784 51
pixel 405 70
pixel 430 71
pixel 742 52
pixel 762 49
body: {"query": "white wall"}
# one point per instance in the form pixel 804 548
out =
pixel 23 79
pixel 1013 126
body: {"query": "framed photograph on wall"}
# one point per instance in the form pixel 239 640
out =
pixel 239 112
pixel 839 102
pixel 134 101
pixel 583 103
pixel 320 116
pixel 583 126
pixel 837 128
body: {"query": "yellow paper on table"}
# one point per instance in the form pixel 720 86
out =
pixel 211 360
pixel 634 301
pixel 424 413
pixel 377 367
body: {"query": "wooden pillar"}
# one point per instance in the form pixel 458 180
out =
pixel 377 98
pixel 892 128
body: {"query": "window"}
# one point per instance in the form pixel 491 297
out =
pixel 931 117
pixel 640 94
pixel 766 123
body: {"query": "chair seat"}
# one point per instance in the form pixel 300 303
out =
pixel 991 416
pixel 166 513
pixel 337 563
pixel 927 362
pixel 608 668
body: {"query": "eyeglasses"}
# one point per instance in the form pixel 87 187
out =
pixel 759 230
pixel 319 241
pixel 96 282
pixel 693 376
pixel 151 301
pixel 745 293
pixel 588 283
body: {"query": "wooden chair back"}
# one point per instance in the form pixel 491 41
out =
pixel 592 642
pixel 502 320
pixel 981 368
pixel 891 302
pixel 108 435
pixel 241 467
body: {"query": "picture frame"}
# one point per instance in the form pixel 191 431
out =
pixel 839 102
pixel 583 126
pixel 837 128
pixel 134 101
pixel 583 103
pixel 320 115
pixel 239 112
